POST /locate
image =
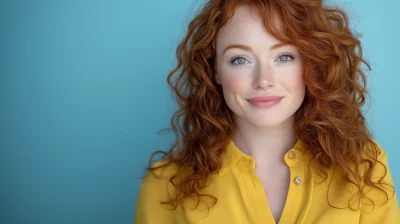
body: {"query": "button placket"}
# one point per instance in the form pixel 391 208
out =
pixel 259 198
pixel 294 161
pixel 255 191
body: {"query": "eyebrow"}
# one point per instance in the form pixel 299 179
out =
pixel 248 48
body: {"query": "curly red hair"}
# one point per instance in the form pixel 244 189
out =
pixel 329 122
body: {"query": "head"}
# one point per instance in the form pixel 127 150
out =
pixel 237 50
pixel 251 65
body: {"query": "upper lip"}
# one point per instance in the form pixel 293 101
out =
pixel 264 98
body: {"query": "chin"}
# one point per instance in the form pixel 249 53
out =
pixel 268 123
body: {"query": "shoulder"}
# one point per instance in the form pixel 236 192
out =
pixel 159 176
pixel 381 205
pixel 160 181
pixel 379 176
pixel 371 163
pixel 155 189
pixel 375 145
pixel 378 157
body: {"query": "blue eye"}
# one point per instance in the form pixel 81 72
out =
pixel 239 61
pixel 285 58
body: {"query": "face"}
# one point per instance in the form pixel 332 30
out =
pixel 252 67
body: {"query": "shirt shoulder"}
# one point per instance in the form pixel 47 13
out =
pixel 154 190
pixel 158 179
pixel 383 204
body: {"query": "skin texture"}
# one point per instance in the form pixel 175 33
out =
pixel 261 71
pixel 262 68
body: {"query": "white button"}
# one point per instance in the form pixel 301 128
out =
pixel 297 180
pixel 291 155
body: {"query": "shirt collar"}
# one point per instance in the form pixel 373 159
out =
pixel 232 155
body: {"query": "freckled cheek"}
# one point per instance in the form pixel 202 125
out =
pixel 234 83
pixel 295 81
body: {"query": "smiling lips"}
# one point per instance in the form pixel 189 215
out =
pixel 265 101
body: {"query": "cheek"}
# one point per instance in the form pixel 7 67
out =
pixel 233 83
pixel 295 81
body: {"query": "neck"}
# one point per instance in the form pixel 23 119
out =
pixel 266 145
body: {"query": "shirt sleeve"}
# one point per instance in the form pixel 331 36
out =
pixel 388 213
pixel 149 210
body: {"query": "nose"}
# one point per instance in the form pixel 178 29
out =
pixel 263 77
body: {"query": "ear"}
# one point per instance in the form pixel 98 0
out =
pixel 216 76
pixel 217 79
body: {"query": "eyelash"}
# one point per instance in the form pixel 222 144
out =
pixel 283 54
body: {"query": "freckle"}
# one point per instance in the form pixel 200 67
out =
pixel 234 83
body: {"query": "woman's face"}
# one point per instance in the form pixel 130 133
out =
pixel 252 65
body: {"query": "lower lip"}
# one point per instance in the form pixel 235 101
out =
pixel 265 104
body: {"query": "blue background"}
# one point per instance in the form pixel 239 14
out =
pixel 83 94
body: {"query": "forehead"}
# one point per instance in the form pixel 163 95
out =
pixel 245 27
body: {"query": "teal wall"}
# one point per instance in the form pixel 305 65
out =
pixel 83 94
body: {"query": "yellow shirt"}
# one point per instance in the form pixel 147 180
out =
pixel 242 199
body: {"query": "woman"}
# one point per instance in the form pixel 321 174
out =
pixel 270 128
